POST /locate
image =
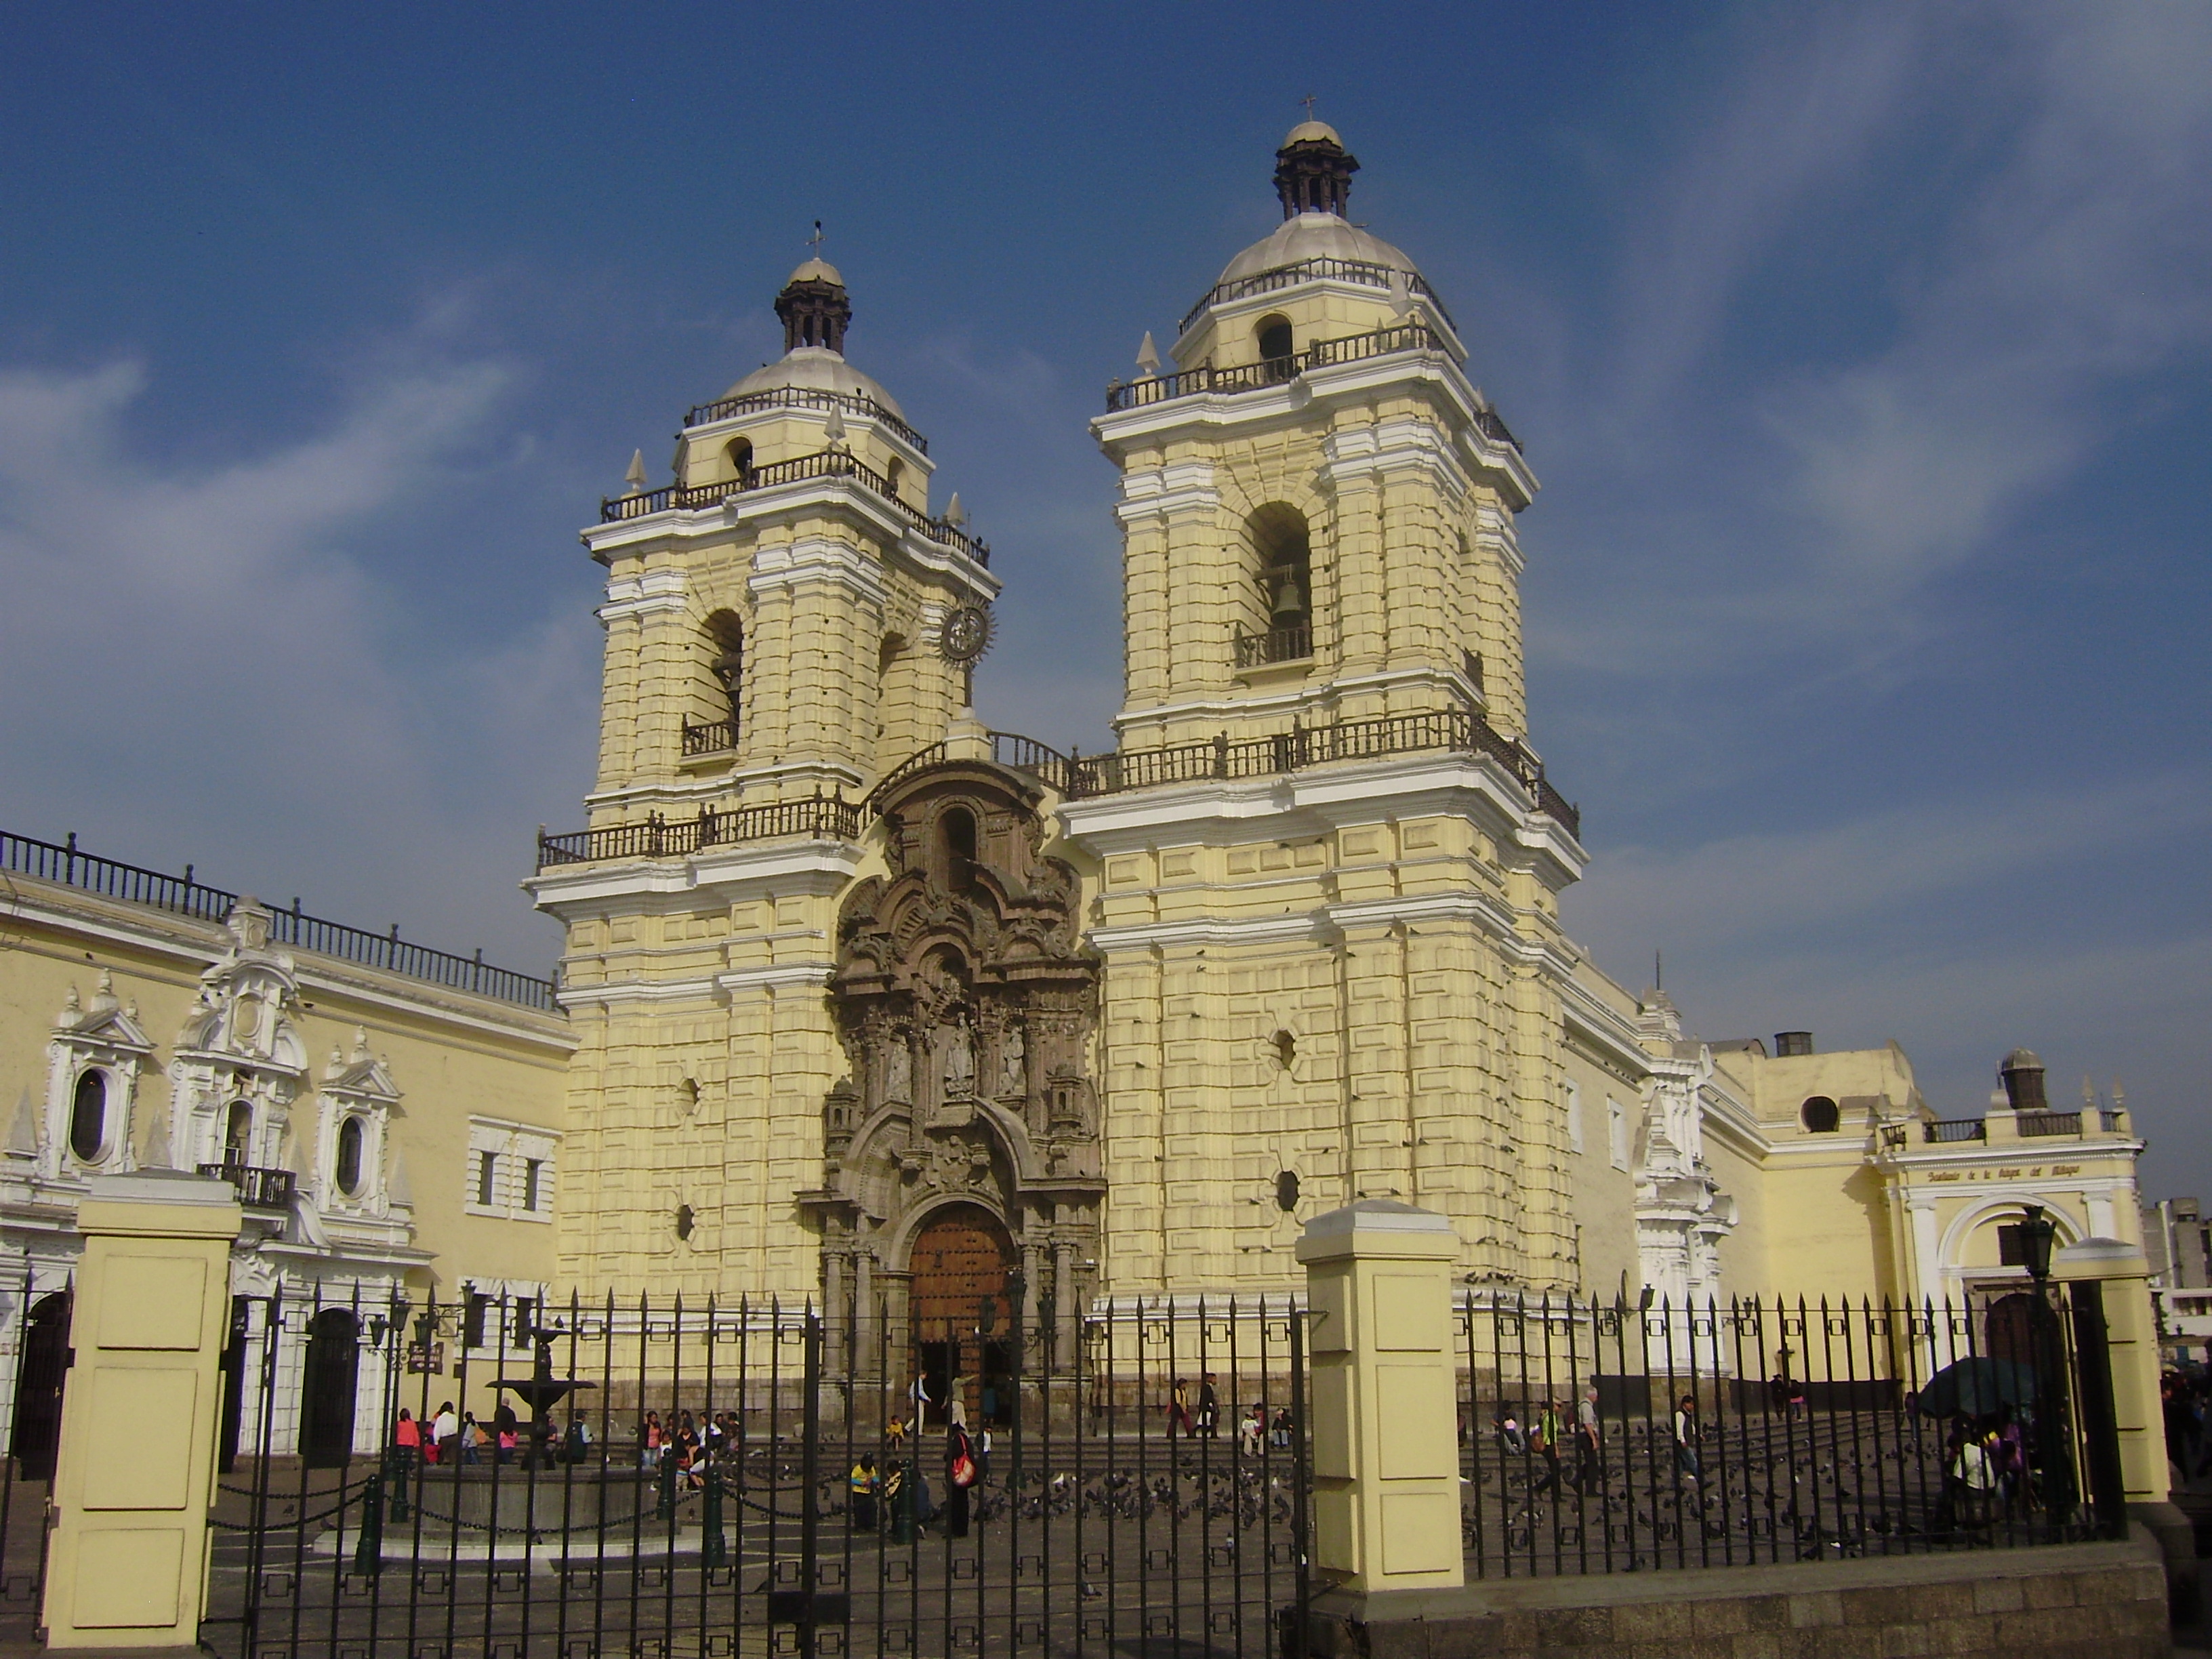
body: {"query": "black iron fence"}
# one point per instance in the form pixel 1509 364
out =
pixel 1613 1438
pixel 800 469
pixel 668 1478
pixel 183 895
pixel 806 397
pixel 1361 272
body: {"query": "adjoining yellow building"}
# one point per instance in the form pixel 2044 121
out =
pixel 877 1007
pixel 391 1116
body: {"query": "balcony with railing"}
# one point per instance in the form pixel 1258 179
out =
pixel 1943 1131
pixel 258 1189
pixel 1458 730
pixel 1272 371
pixel 821 816
pixel 63 863
pixel 2033 1126
pixel 1293 644
pixel 806 397
pixel 1363 272
pixel 826 463
pixel 709 738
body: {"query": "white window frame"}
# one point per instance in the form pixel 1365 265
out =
pixel 1616 1132
pixel 514 1146
pixel 1574 1117
pixel 502 1295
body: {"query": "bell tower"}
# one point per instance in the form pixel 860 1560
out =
pixel 785 621
pixel 1330 858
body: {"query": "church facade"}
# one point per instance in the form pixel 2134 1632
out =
pixel 874 1006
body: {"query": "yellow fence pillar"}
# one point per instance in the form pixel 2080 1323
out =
pixel 1385 1444
pixel 136 1477
pixel 2131 1329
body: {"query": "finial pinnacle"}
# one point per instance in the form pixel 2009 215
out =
pixel 1148 357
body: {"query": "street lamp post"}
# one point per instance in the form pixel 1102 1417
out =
pixel 2036 1234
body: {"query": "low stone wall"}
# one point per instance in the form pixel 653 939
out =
pixel 2069 1601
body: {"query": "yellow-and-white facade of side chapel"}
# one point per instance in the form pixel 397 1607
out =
pixel 1301 926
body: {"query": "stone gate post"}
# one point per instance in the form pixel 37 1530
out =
pixel 127 1565
pixel 1384 1420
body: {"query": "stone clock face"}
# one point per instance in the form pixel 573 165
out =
pixel 967 633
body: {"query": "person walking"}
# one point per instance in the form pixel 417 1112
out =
pixel 1178 1410
pixel 1209 1408
pixel 1589 1445
pixel 1685 1440
pixel 960 1477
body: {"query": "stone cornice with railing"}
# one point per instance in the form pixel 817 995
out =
pixel 1363 272
pixel 1079 777
pixel 183 895
pixel 800 469
pixel 808 398
pixel 1280 371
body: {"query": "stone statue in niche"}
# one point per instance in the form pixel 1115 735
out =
pixel 959 1050
pixel 898 1072
pixel 1013 1067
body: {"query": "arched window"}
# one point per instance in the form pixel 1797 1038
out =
pixel 893 474
pixel 88 1134
pixel 237 1132
pixel 726 643
pixel 1276 343
pixel 351 1137
pixel 740 451
pixel 1282 566
pixel 1821 1115
pixel 956 830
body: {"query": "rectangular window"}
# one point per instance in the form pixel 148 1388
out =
pixel 522 1318
pixel 2012 1248
pixel 1616 1131
pixel 487 1179
pixel 1574 1117
pixel 532 1176
pixel 474 1318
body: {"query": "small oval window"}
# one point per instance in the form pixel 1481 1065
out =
pixel 88 1136
pixel 1821 1115
pixel 349 1144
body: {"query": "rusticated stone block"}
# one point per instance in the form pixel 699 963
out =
pixel 2054 1590
pixel 1998 1596
pixel 1817 1609
pixel 1756 1644
pixel 1573 1627
pixel 1652 1621
pixel 1767 1612
pixel 1709 1618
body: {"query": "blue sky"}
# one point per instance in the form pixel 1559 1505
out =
pixel 1861 352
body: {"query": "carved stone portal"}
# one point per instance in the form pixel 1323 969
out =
pixel 966 1002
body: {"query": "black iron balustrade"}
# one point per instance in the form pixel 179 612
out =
pixel 1944 1131
pixel 1273 371
pixel 1455 729
pixel 656 837
pixel 2037 1124
pixel 794 396
pixel 184 896
pixel 825 464
pixel 1365 272
pixel 1277 645
pixel 258 1189
pixel 1028 755
pixel 712 737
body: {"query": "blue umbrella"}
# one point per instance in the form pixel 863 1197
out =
pixel 1978 1387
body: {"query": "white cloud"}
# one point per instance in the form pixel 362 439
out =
pixel 2073 261
pixel 211 663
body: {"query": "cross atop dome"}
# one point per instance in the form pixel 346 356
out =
pixel 1313 172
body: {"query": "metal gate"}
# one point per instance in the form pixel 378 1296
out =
pixel 665 1479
